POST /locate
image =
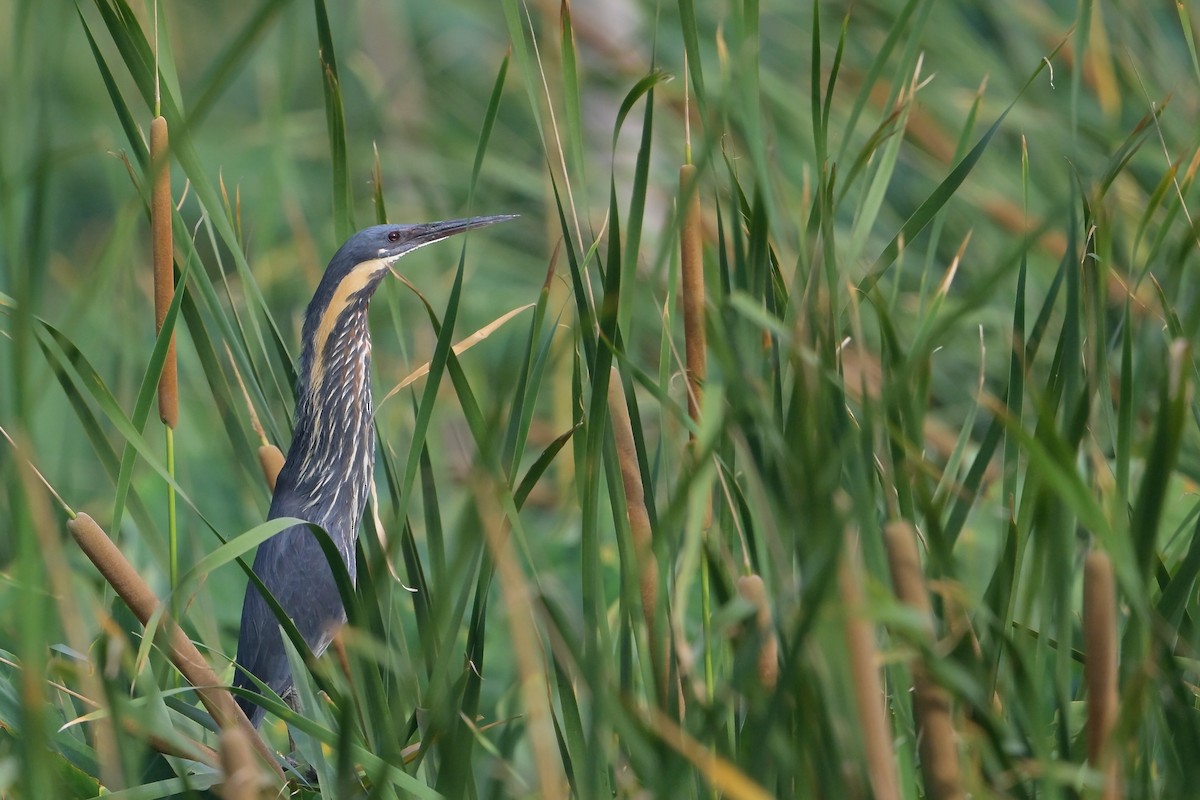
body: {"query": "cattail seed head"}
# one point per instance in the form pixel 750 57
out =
pixel 871 700
pixel 635 497
pixel 241 774
pixel 270 458
pixel 639 518
pixel 1100 667
pixel 692 287
pixel 161 209
pixel 754 591
pixel 144 604
pixel 931 703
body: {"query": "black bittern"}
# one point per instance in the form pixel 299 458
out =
pixel 327 475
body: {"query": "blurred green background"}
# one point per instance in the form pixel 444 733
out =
pixel 893 193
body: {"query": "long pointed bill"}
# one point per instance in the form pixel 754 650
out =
pixel 430 232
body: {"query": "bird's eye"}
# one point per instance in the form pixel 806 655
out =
pixel 393 236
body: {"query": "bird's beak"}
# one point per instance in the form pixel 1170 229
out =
pixel 430 232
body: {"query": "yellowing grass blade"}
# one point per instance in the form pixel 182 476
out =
pixel 459 348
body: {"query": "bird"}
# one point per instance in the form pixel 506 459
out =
pixel 327 474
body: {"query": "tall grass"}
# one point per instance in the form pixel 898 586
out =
pixel 793 473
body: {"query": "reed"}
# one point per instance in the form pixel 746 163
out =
pixel 639 522
pixel 241 774
pixel 822 351
pixel 754 591
pixel 519 597
pixel 692 297
pixel 931 703
pixel 691 264
pixel 271 459
pixel 102 733
pixel 1100 668
pixel 161 210
pixel 141 600
pixel 871 700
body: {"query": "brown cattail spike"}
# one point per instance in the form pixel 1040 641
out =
pixel 868 687
pixel 692 266
pixel 635 506
pixel 1100 668
pixel 129 585
pixel 931 703
pixel 691 262
pixel 271 459
pixel 161 208
pixel 754 591
pixel 241 774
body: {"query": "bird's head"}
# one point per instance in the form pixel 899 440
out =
pixel 356 269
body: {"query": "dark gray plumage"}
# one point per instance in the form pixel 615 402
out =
pixel 327 474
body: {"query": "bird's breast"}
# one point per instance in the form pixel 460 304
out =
pixel 330 463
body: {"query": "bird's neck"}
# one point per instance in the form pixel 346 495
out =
pixel 329 465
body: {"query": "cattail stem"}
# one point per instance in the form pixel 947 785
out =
pixel 931 703
pixel 172 523
pixel 639 521
pixel 864 672
pixel 1100 668
pixel 270 457
pixel 129 585
pixel 161 209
